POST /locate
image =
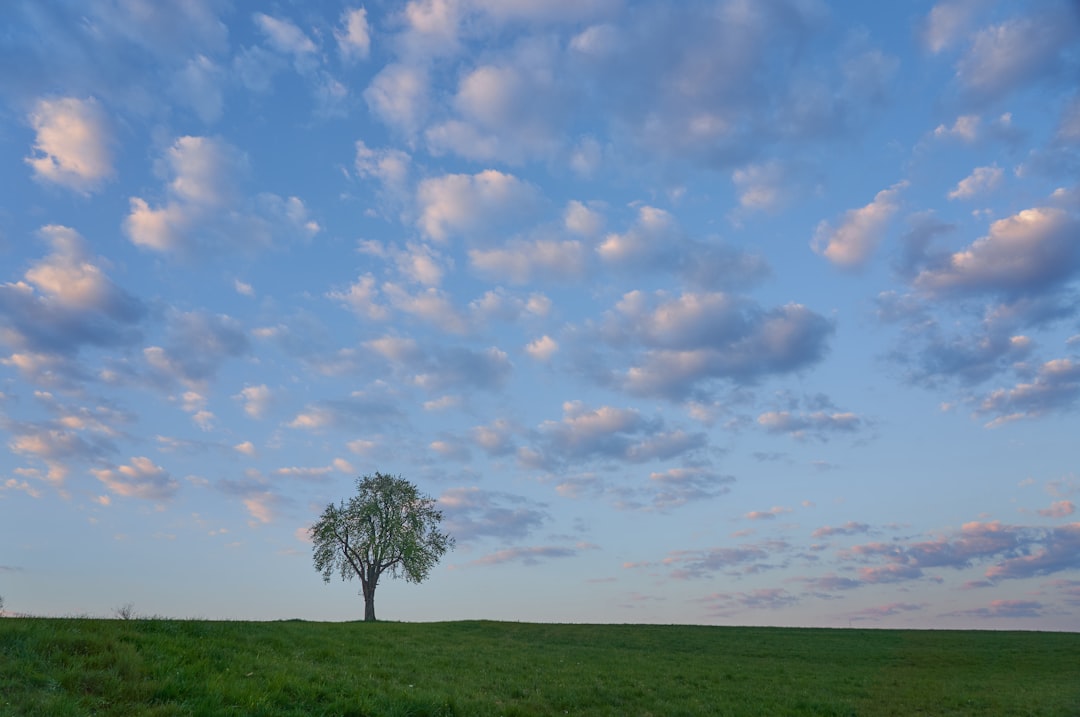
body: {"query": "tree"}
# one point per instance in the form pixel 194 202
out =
pixel 388 526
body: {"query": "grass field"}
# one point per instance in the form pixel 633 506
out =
pixel 60 667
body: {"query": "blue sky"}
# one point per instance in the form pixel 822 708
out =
pixel 719 312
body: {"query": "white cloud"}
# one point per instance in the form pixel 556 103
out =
pixel 257 400
pixel 432 26
pixel 522 261
pixel 69 276
pixel 205 210
pixel 141 478
pixel 966 127
pixel 288 39
pixel 398 95
pixel 582 219
pixel 66 302
pixel 946 22
pixel 1032 250
pixel 760 186
pixel 851 244
pixel 651 235
pixel 363 298
pixel 430 305
pixel 389 166
pixel 354 35
pixel 1055 387
pixel 420 263
pixel 509 111
pixel 543 348
pixel 199 86
pixel 455 204
pixel 980 181
pixel 697 337
pixel 496 438
pixel 197 345
pixel 72 144
pixel 1016 52
pixel 817 424
pixel 555 11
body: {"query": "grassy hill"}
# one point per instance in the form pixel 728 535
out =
pixel 60 667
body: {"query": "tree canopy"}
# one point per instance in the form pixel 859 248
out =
pixel 387 527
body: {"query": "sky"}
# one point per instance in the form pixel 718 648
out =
pixel 720 312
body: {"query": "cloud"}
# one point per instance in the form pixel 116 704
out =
pixel 197 344
pixel 694 338
pixel 1058 509
pixel 726 604
pixel 1004 609
pixel 704 564
pixel 141 478
pixel 389 166
pixel 522 261
pixel 966 127
pixel 73 144
pixel 543 348
pixel 262 504
pixel 507 111
pixel 1055 387
pixel 1013 551
pixel 769 514
pixel 548 11
pixel 205 211
pixel 360 410
pixel 257 400
pixel 605 433
pixel 946 22
pixel 59 445
pixel 849 528
pixel 1027 252
pixel 531 555
pixel 851 244
pixel 436 369
pixel 430 305
pixel 474 514
pixel 817 424
pixel 199 86
pixel 761 186
pixel 65 302
pixel 655 241
pixel 678 486
pixel 119 52
pixel 981 181
pixel 482 203
pixel 398 95
pixel 317 474
pixel 1018 52
pixel 288 39
pixel 354 35
pixel 880 611
pixel 496 438
pixel 434 306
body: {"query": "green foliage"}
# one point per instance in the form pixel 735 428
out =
pixel 178 667
pixel 387 527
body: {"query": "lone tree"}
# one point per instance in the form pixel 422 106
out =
pixel 387 526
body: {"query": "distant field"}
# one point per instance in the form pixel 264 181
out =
pixel 60 667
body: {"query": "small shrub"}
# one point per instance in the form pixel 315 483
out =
pixel 125 611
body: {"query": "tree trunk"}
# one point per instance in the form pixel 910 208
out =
pixel 369 595
pixel 369 606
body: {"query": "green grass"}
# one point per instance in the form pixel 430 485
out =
pixel 60 667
